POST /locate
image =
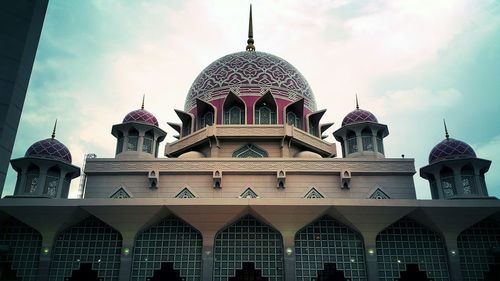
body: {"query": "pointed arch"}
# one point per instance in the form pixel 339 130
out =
pixel 205 113
pixel 23 243
pixel 170 242
pixel 293 114
pixel 326 242
pixel 265 110
pixel 234 110
pixel 248 240
pixel 90 241
pixel 427 250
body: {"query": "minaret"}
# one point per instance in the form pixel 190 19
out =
pixel 46 170
pixel 139 135
pixel 361 135
pixel 250 45
pixel 454 171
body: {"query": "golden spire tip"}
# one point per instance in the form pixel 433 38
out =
pixel 142 106
pixel 357 104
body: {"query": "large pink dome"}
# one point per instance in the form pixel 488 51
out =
pixel 49 149
pixel 141 116
pixel 358 116
pixel 250 74
pixel 450 149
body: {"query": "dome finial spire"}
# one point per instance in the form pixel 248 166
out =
pixel 250 46
pixel 142 106
pixel 54 130
pixel 357 104
pixel 445 130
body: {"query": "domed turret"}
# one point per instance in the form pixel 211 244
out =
pixel 141 116
pixel 361 135
pixel 454 171
pixel 49 149
pixel 138 135
pixel 45 170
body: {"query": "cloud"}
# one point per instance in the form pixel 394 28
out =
pixel 491 151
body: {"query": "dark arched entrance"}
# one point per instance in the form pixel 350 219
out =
pixel 248 273
pixel 412 273
pixel 166 272
pixel 85 273
pixel 330 273
pixel 6 272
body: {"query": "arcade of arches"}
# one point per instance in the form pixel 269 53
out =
pixel 248 249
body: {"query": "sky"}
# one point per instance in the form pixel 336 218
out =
pixel 412 63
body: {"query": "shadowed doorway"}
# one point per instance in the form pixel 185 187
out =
pixel 412 273
pixel 85 273
pixel 248 273
pixel 6 272
pixel 330 273
pixel 166 272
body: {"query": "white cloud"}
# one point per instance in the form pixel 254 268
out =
pixel 491 151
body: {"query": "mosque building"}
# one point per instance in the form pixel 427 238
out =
pixel 250 190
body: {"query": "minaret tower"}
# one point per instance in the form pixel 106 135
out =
pixel 361 135
pixel 46 170
pixel 454 171
pixel 138 136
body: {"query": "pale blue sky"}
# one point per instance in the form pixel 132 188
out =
pixel 412 63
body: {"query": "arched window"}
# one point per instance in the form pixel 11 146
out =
pixel 119 143
pixel 352 143
pixel 207 119
pixel 469 187
pixel 147 144
pixel 293 120
pixel 265 110
pixel 51 182
pixel 380 144
pixel 249 151
pixel 133 140
pixel 366 138
pixel 234 110
pixel 448 183
pixel 32 177
pixel 234 116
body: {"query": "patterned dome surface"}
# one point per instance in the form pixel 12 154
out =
pixel 247 70
pixel 49 149
pixel 450 149
pixel 358 116
pixel 141 116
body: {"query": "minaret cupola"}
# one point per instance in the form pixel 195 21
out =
pixel 361 135
pixel 139 135
pixel 454 171
pixel 45 170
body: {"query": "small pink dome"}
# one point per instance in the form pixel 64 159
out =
pixel 49 149
pixel 358 116
pixel 141 116
pixel 450 149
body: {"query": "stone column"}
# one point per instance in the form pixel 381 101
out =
pixel 207 262
pixel 42 177
pixel 21 186
pixel 45 256
pixel 453 257
pixel 60 184
pixel 288 256
pixel 140 141
pixel 371 256
pixel 126 256
pixel 458 181
pixel 439 187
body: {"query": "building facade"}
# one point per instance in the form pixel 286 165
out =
pixel 250 190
